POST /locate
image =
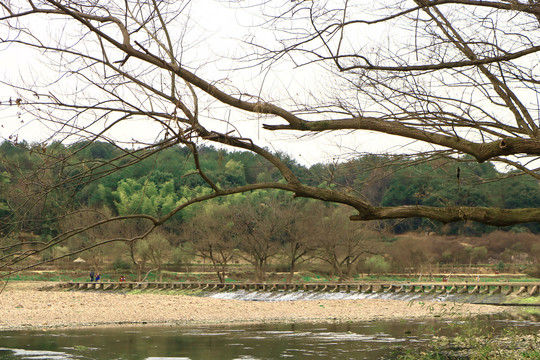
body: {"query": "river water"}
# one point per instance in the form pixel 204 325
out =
pixel 369 340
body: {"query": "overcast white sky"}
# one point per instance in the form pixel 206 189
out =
pixel 222 27
pixel 213 29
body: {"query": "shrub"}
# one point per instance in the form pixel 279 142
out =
pixel 120 264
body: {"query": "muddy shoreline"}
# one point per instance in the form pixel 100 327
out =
pixel 28 306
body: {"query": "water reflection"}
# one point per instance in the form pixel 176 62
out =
pixel 373 340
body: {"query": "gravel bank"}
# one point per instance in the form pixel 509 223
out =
pixel 24 306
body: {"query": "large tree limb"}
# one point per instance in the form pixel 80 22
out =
pixel 481 151
pixel 489 216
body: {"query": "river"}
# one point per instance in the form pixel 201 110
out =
pixel 369 340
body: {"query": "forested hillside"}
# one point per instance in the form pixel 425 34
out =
pixel 157 184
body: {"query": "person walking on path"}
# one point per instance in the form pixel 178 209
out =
pixel 91 275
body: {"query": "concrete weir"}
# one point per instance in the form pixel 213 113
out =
pixel 488 288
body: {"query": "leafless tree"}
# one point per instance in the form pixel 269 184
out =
pixel 298 222
pixel 341 243
pixel 414 256
pixel 260 233
pixel 94 235
pixel 212 233
pixel 440 77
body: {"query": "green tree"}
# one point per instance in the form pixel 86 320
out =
pixel 476 253
pixel 145 197
pixel 377 264
pixel 184 254
pixel 157 249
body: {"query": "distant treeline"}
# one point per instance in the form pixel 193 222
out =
pixel 102 175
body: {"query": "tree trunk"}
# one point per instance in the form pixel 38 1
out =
pixel 292 270
pixel 260 271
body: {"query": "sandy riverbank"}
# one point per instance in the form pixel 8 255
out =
pixel 24 306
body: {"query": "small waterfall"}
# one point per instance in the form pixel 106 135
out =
pixel 256 295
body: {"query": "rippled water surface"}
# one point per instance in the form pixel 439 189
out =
pixel 373 340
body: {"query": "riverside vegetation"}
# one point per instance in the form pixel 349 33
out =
pixel 469 345
pixel 474 342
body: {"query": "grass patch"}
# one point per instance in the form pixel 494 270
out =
pixel 528 300
pixel 531 311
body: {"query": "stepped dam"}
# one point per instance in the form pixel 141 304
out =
pixel 470 292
